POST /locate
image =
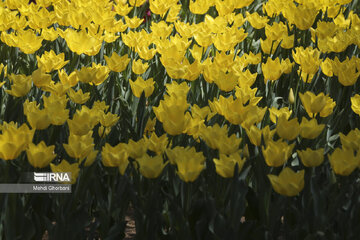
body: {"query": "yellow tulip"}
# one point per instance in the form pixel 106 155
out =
pixel 49 61
pixel 189 162
pixel 55 107
pixel 346 71
pixel 315 104
pixel 108 119
pixel 14 140
pixel 355 104
pixel 40 155
pixel 302 15
pixel 217 138
pixel 90 158
pixel 65 166
pixel 83 121
pixel 158 144
pixel 311 158
pixel 138 67
pixel 272 69
pixel 172 15
pixel 291 96
pixel 104 131
pixel 194 71
pixel 82 42
pixel 116 156
pixel 38 118
pixel 275 113
pixel 254 135
pixel 40 78
pixel 288 183
pixel 3 69
pixel 137 149
pixel 160 7
pixel 287 129
pixel 79 147
pixel 20 86
pixel 199 6
pixel 351 140
pixel 78 97
pixel 68 80
pixel 226 81
pixel 150 126
pixel 117 63
pixel 327 67
pixel 256 21
pixel 310 128
pixel 277 153
pixel 133 22
pixel 343 161
pixel 28 41
pixel 309 61
pixel 225 166
pixel 140 85
pixel 145 53
pixel 122 9
pixel 151 167
pixel 171 113
pixel 96 74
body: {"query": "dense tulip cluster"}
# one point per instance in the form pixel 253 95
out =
pixel 219 86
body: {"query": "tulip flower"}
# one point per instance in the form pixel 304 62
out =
pixel 288 183
pixel 311 158
pixel 65 166
pixel 40 155
pixel 225 166
pixel 277 153
pixel 344 161
pixel 151 167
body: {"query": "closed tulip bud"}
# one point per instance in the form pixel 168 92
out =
pixel 291 96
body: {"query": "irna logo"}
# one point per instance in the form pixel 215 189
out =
pixel 51 177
